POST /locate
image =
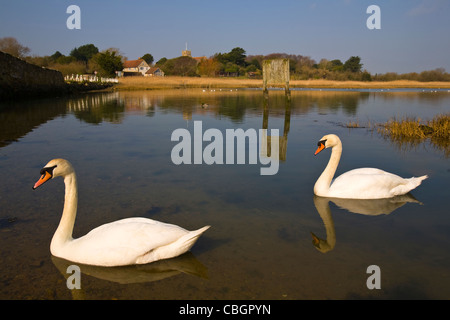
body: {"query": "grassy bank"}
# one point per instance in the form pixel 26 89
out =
pixel 153 83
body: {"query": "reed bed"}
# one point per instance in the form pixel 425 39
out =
pixel 412 131
pixel 173 82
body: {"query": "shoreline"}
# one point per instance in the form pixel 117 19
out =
pixel 169 82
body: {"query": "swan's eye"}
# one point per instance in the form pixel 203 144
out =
pixel 321 142
pixel 48 169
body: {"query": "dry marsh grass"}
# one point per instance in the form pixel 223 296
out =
pixel 368 85
pixel 412 131
pixel 353 124
pixel 357 124
pixel 172 82
pixel 156 83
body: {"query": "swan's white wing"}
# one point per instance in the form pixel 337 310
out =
pixel 368 183
pixel 123 241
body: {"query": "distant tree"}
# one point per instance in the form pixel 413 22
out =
pixel 336 65
pixel 181 66
pixel 220 57
pixel 148 58
pixel 209 67
pixel 251 68
pixel 323 64
pixel 353 64
pixel 56 55
pixel 231 69
pixel 438 74
pixel 389 76
pixel 303 61
pixel 74 67
pixel 66 59
pixel 39 61
pixel 109 61
pixel 13 47
pixel 161 62
pixel 84 53
pixel 233 62
pixel 366 76
pixel 411 76
pixel 255 62
pixel 236 56
pixel 59 58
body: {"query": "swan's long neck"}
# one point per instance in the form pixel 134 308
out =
pixel 64 231
pixel 323 183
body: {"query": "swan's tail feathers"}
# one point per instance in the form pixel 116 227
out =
pixel 416 181
pixel 410 184
pixel 190 239
pixel 186 242
pixel 174 249
pixel 423 178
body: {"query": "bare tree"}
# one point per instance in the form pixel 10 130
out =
pixel 13 47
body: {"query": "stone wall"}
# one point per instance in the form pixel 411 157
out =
pixel 21 79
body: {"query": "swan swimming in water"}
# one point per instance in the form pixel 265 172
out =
pixel 122 242
pixel 363 183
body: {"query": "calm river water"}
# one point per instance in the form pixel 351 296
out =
pixel 260 243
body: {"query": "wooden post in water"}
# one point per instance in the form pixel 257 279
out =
pixel 276 72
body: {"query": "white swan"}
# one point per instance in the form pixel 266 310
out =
pixel 363 183
pixel 123 242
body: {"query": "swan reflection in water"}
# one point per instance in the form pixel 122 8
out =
pixel 371 207
pixel 155 271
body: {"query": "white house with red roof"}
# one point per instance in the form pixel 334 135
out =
pixel 135 67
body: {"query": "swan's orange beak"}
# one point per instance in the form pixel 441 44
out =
pixel 45 177
pixel 46 174
pixel 316 240
pixel 320 148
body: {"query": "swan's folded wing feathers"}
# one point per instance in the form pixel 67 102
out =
pixel 367 183
pixel 125 239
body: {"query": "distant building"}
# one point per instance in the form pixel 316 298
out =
pixel 154 72
pixel 135 67
pixel 187 53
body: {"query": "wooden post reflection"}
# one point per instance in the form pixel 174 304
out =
pixel 287 125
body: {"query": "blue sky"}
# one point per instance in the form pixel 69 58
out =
pixel 414 34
